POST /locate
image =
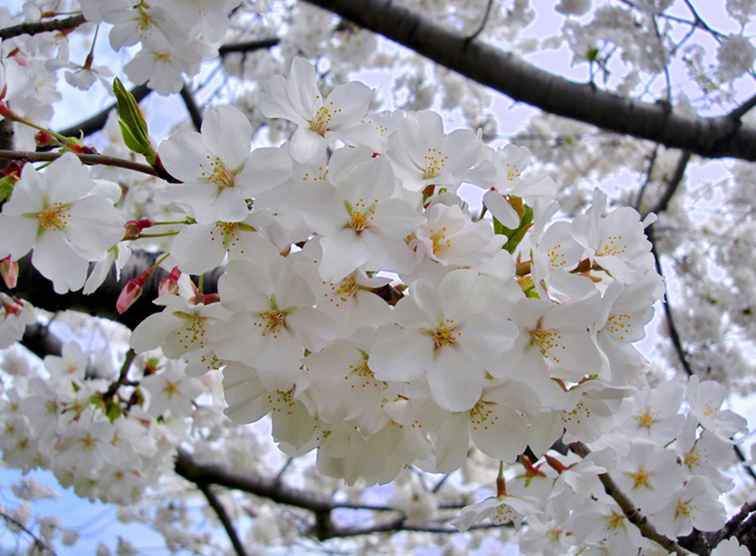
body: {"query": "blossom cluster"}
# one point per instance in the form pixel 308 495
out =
pixel 364 306
pixel 108 444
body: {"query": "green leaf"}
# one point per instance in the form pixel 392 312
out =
pixel 526 221
pixel 133 125
pixel 6 188
pixel 113 411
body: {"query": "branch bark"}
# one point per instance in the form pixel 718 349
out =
pixel 33 28
pixel 224 518
pixel 95 123
pixel 89 159
pixel 505 72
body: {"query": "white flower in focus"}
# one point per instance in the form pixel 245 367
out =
pixel 62 215
pixel 181 330
pixel 274 320
pixel 361 224
pixel 423 155
pixel 617 239
pixel 320 121
pixel 447 334
pixel 218 170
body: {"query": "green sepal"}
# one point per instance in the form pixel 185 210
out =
pixel 6 188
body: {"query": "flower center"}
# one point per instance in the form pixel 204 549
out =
pixel 220 175
pixel 645 420
pixel 616 521
pixel 193 332
pixel 512 173
pixel 434 162
pixel 53 217
pixel 482 415
pixel 546 339
pixel 691 459
pixel 272 322
pixel 319 124
pixel 612 246
pixel 170 389
pixel 162 56
pixel 348 287
pixel 446 334
pixel 360 216
pixel 640 479
pixel 440 243
pixel 682 509
pixel 556 256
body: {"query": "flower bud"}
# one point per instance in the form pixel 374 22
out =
pixel 135 227
pixel 132 291
pixel 44 139
pixel 169 284
pixel 9 272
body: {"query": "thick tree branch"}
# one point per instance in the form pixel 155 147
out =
pixel 34 28
pixel 628 508
pixel 509 74
pixel 224 518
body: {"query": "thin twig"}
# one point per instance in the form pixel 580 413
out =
pixel 224 518
pixel 39 543
pixel 483 22
pixel 122 376
pixel 89 159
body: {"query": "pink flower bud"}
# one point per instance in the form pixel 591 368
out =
pixel 9 272
pixel 135 227
pixel 169 284
pixel 132 291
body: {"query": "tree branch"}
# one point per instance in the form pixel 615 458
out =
pixel 224 518
pixel 633 515
pixel 195 114
pixel 95 123
pixel 37 289
pixel 508 74
pixel 247 46
pixel 36 27
pixel 89 159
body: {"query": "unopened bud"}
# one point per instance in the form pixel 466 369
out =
pixel 132 291
pixel 44 139
pixel 555 464
pixel 13 169
pixel 81 149
pixel 135 227
pixel 9 272
pixel 169 283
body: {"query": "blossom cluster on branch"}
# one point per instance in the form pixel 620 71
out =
pixel 364 305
